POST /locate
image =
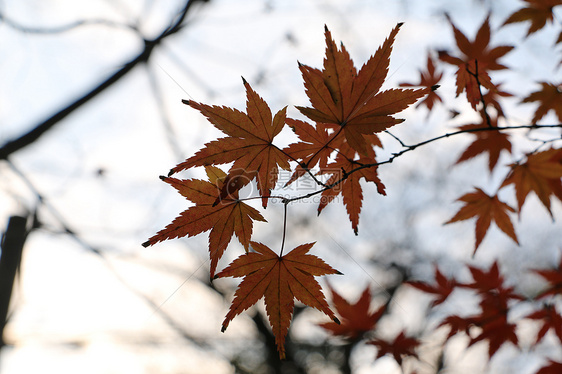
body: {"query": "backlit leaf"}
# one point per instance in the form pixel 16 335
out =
pixel 279 280
pixel 350 101
pixel 356 319
pixel 229 217
pixel 486 209
pixel 249 142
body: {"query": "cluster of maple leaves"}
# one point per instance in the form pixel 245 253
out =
pixel 348 109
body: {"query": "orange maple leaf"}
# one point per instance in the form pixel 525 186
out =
pixel 541 173
pixel 315 146
pixel 537 11
pixel 550 98
pixel 487 141
pixel 350 101
pixel 249 142
pixel 476 61
pixel 230 217
pixel 429 79
pixel 356 319
pixel 486 208
pixel 350 186
pixel 491 99
pixel 279 279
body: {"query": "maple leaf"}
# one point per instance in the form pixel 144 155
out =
pixel 537 11
pixel 554 367
pixel 490 285
pixel 554 277
pixel 456 324
pixel 550 320
pixel 356 319
pixel 429 79
pixel 476 60
pixel 315 146
pixel 487 209
pixel 550 98
pixel 399 347
pixel 442 289
pixel 497 331
pixel 493 326
pixel 487 140
pixel 350 101
pixel 485 281
pixel 491 98
pixel 230 217
pixel 279 280
pixel 350 186
pixel 249 142
pixel 492 319
pixel 541 173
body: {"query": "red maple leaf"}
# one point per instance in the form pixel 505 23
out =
pixel 550 320
pixel 487 209
pixel 442 289
pixel 538 12
pixel 249 142
pixel 230 217
pixel 356 319
pixel 492 326
pixel 490 284
pixel 495 295
pixel 549 97
pixel 456 324
pixel 554 277
pixel 496 330
pixel 485 281
pixel 476 61
pixel 487 141
pixel 429 79
pixel 554 367
pixel 491 322
pixel 350 101
pixel 399 347
pixel 279 279
pixel 541 173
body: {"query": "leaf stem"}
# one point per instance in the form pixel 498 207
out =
pixel 475 75
pixel 303 165
pixel 285 203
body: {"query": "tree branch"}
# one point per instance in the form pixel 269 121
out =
pixel 34 134
pixel 407 148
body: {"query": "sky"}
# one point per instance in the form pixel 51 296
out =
pixel 78 311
